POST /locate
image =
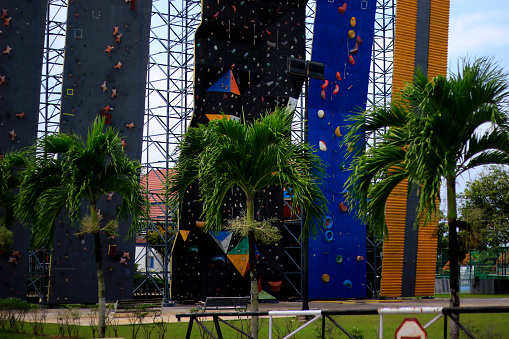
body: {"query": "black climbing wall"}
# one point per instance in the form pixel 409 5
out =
pixel 241 51
pixel 104 74
pixel 22 26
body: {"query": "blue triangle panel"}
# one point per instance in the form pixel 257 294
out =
pixel 223 84
pixel 221 235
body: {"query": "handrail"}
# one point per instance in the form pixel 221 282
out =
pixel 316 313
pixel 326 314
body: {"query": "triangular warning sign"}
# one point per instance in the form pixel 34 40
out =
pixel 226 83
pixel 240 262
pixel 184 234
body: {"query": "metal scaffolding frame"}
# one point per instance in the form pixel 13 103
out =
pixel 52 67
pixel 169 101
pixel 379 94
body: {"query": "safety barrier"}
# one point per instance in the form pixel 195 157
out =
pixel 448 312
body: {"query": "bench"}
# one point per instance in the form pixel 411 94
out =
pixel 137 306
pixel 217 303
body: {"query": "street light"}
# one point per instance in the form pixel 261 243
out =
pixel 314 70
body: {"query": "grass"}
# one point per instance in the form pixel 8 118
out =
pixel 482 325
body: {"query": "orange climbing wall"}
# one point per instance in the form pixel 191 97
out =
pixel 437 64
pixel 438 41
pixel 392 266
pixel 404 65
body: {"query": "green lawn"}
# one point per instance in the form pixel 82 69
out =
pixel 482 325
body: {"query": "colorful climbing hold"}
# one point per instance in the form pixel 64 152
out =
pixel 351 34
pixel 200 224
pixel 338 76
pixel 337 132
pixel 360 258
pixel 347 283
pixel 353 22
pixel 336 90
pixel 359 40
pixel 325 278
pixel 355 49
pixel 109 49
pixel 328 223
pixel 104 87
pixel 322 145
pixel 325 84
pixel 323 94
pixel 329 236
pixel 351 60
pixel 339 259
pixel 342 9
pixel 343 208
pixel 321 113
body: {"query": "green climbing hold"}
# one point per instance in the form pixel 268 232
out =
pixel 339 259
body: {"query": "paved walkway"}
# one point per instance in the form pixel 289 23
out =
pixel 169 312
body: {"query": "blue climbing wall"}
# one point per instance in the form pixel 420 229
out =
pixel 342 41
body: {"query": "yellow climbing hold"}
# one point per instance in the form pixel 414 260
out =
pixel 325 278
pixel 351 34
pixel 337 132
pixel 353 22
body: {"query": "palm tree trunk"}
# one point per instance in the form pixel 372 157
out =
pixel 253 269
pixel 454 283
pixel 101 289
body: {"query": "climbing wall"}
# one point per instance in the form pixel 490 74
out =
pixel 343 35
pixel 410 253
pixel 22 27
pixel 241 51
pixel 104 74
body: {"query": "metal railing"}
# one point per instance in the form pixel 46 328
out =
pixel 448 312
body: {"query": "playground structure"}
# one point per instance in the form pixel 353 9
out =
pixel 163 105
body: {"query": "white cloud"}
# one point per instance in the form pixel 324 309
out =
pixel 476 31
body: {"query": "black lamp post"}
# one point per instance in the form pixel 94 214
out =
pixel 315 70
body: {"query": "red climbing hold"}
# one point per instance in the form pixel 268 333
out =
pixel 351 60
pixel 343 208
pixel 342 9
pixel 336 90
pixel 359 40
pixel 325 83
pixel 323 94
pixel 338 76
pixel 355 49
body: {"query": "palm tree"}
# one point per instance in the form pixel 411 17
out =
pixel 10 164
pixel 433 132
pixel 65 170
pixel 253 156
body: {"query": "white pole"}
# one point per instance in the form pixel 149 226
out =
pixel 381 330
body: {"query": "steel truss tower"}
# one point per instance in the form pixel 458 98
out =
pixel 169 107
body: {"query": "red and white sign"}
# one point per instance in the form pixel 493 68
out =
pixel 410 328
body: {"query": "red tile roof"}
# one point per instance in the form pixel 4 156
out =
pixel 155 181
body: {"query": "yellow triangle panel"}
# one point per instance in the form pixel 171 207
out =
pixel 240 261
pixel 184 234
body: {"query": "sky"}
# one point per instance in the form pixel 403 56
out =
pixel 478 28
